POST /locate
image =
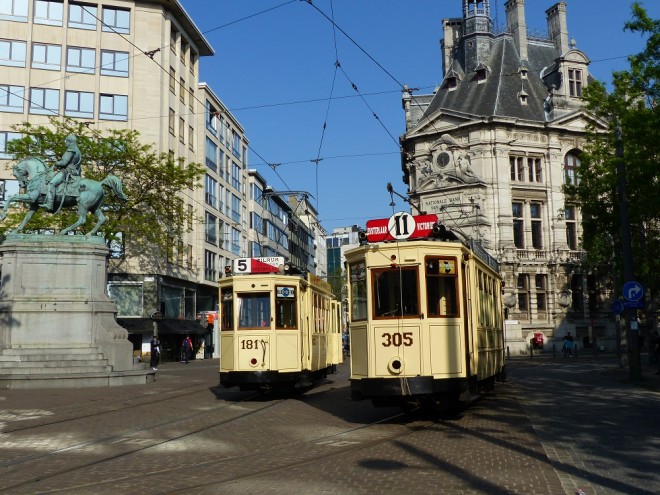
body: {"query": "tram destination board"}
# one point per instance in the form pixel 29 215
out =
pixel 258 265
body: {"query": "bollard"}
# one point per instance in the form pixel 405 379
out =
pixel 531 351
pixel 508 352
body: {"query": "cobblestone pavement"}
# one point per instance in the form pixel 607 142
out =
pixel 555 427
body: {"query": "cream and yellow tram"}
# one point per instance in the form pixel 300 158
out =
pixel 426 319
pixel 277 329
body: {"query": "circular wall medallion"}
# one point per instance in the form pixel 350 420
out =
pixel 443 159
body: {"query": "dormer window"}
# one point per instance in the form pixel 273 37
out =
pixel 575 83
pixel 451 80
pixel 523 72
pixel 481 72
pixel 522 96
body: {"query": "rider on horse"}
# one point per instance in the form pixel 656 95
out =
pixel 69 166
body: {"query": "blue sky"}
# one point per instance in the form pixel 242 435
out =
pixel 274 69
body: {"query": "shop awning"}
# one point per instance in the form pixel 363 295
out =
pixel 136 325
pixel 181 327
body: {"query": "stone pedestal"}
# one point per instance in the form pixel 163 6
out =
pixel 57 325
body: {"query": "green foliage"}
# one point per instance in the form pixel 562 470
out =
pixel 152 218
pixel 630 112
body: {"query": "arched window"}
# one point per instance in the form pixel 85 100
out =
pixel 571 166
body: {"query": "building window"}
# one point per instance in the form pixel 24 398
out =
pixel 518 225
pixel 128 297
pixel 191 137
pixel 452 83
pixel 172 81
pixel 183 53
pixel 541 287
pixel 182 130
pixel 537 225
pixel 193 59
pixel 174 36
pixel 45 101
pixel 211 118
pixel 47 57
pixel 14 10
pixel 235 208
pixel 182 91
pixel 210 232
pixel 523 293
pixel 210 191
pixel 172 119
pixel 191 99
pixel 114 63
pixel 81 60
pixel 189 251
pixel 535 170
pixel 48 12
pixel 235 241
pixel 116 20
pixel 5 137
pixel 571 166
pixel 113 107
pixel 211 155
pixel 11 98
pixel 236 144
pixel 79 104
pixel 575 82
pixel 82 16
pixel 571 227
pixel 516 165
pixel 209 266
pixel 12 53
pixel 236 176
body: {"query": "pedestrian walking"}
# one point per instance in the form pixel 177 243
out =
pixel 567 348
pixel 155 352
pixel 186 349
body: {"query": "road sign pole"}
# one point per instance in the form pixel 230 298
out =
pixel 630 329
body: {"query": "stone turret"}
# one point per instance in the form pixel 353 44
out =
pixel 477 32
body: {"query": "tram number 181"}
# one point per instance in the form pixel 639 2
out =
pixel 249 344
pixel 397 339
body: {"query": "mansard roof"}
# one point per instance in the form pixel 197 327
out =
pixel 499 94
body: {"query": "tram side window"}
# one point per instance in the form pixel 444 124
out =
pixel 227 309
pixel 358 277
pixel 286 315
pixel 395 292
pixel 441 287
pixel 254 310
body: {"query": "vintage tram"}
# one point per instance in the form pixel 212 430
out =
pixel 426 316
pixel 279 328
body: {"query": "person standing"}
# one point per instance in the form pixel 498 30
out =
pixel 568 345
pixel 186 349
pixel 155 352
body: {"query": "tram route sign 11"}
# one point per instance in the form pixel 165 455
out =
pixel 400 226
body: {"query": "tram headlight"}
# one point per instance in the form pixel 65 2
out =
pixel 395 366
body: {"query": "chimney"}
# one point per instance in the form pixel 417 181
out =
pixel 557 27
pixel 515 20
pixel 451 30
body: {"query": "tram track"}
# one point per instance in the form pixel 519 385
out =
pixel 339 441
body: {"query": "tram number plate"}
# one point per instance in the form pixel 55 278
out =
pixel 397 339
pixel 250 344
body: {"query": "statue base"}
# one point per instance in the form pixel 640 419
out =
pixel 57 325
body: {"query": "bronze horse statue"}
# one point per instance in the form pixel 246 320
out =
pixel 33 175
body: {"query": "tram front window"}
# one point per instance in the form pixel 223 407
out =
pixel 254 310
pixel 441 287
pixel 285 308
pixel 395 292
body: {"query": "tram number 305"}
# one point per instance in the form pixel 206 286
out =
pixel 397 339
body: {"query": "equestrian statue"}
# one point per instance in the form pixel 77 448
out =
pixel 61 188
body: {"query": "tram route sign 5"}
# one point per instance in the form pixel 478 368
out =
pixel 633 291
pixel 400 226
pixel 258 265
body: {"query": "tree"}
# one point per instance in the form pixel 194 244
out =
pixel 153 218
pixel 631 114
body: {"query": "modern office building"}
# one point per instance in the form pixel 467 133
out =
pixel 489 152
pixel 121 64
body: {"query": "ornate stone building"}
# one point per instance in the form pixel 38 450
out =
pixel 489 152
